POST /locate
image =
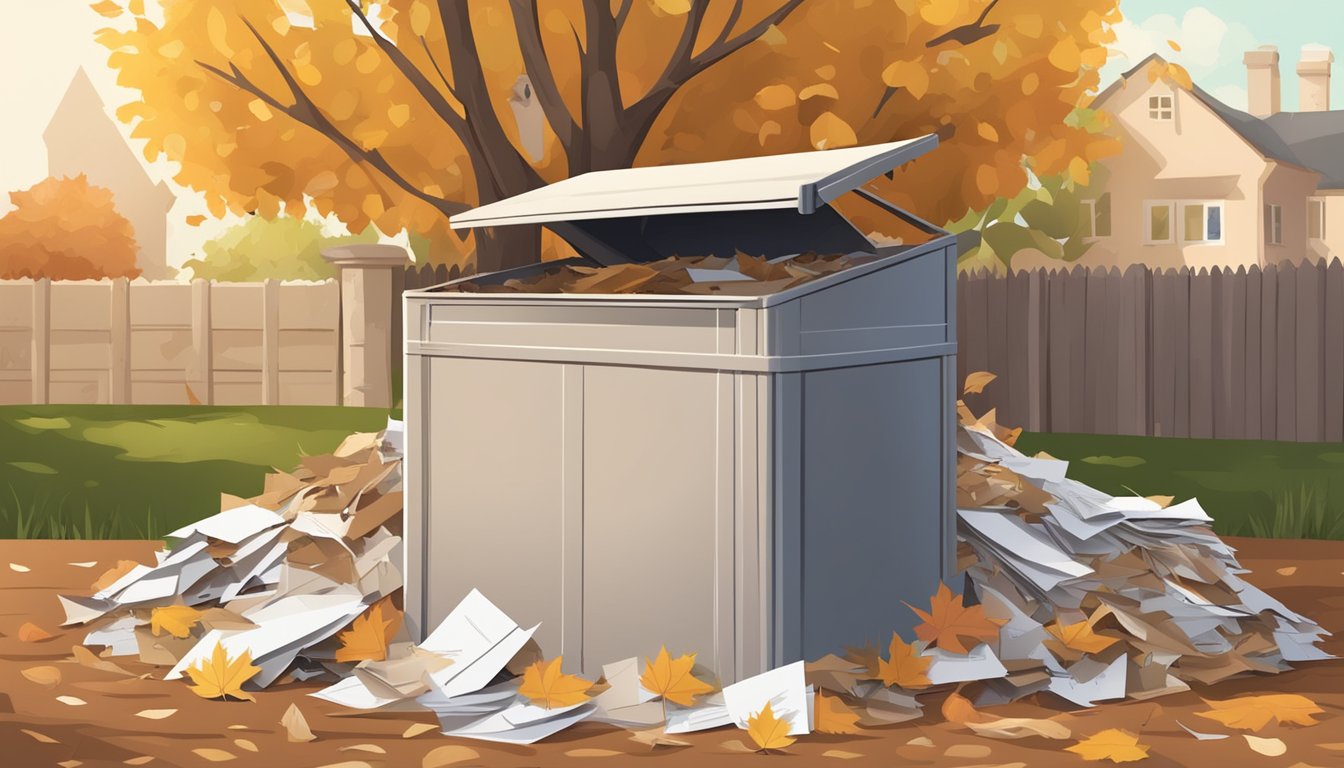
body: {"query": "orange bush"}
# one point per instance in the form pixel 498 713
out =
pixel 66 229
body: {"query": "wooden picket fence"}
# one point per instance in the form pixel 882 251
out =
pixel 1247 354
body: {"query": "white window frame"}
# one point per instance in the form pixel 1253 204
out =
pixel 1317 203
pixel 1273 224
pixel 1148 206
pixel 1162 107
pixel 1222 221
pixel 1090 211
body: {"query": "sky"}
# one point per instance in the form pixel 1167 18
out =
pixel 43 43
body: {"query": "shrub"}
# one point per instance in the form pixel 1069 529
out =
pixel 66 229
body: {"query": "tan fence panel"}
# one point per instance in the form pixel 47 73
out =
pixel 16 341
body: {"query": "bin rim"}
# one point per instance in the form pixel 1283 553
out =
pixel 803 181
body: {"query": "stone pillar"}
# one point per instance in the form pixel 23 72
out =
pixel 368 302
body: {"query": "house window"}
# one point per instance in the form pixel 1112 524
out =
pixel 1274 224
pixel 1097 216
pixel 1202 222
pixel 1159 218
pixel 1316 218
pixel 1160 107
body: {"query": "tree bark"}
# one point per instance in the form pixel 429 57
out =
pixel 505 247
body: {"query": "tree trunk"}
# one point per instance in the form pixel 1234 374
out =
pixel 504 247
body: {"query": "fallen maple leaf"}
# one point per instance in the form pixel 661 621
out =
pixel 31 633
pixel 368 637
pixel 1077 637
pixel 1251 713
pixel 221 676
pixel 830 715
pixel 111 575
pixel 672 678
pixel 904 667
pixel 176 620
pixel 768 731
pixel 546 686
pixel 959 709
pixel 948 621
pixel 976 382
pixel 657 737
pixel 1111 744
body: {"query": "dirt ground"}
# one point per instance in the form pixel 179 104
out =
pixel 36 729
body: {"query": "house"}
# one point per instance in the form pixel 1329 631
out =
pixel 82 138
pixel 1201 184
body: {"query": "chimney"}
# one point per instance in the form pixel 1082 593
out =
pixel 1313 79
pixel 1262 80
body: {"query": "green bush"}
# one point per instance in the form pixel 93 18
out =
pixel 283 248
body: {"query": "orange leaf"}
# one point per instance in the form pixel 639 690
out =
pixel 195 220
pixel 832 716
pixel 958 709
pixel 368 637
pixel 31 633
pixel 830 131
pixel 948 621
pixel 976 382
pixel 1111 744
pixel 1253 713
pixel 905 667
pixel 768 731
pixel 1175 46
pixel 111 575
pixel 672 679
pixel 546 686
pixel 1078 637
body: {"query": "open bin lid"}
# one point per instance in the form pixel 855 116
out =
pixel 772 205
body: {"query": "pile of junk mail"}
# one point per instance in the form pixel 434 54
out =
pixel 741 275
pixel 1155 594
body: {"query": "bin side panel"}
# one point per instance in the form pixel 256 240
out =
pixel 892 308
pixel 494 468
pixel 874 466
pixel 661 329
pixel 653 567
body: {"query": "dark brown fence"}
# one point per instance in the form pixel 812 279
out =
pixel 1246 354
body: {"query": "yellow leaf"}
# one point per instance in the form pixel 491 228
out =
pixel 832 716
pixel 107 8
pixel 399 114
pixel 213 755
pixel 672 679
pixel 977 381
pixel 910 75
pixel 296 725
pixel 673 7
pixel 44 675
pixel 260 110
pixel 938 11
pixel 769 129
pixel 825 90
pixel 1251 713
pixel 1079 171
pixel 136 7
pixel 221 676
pixel 830 131
pixel 1030 83
pixel 545 686
pixel 217 30
pixel 176 620
pixel 1078 637
pixel 987 132
pixel 368 637
pixel 1066 56
pixel 111 575
pixel 768 731
pixel 948 621
pixel 1180 76
pixel 1111 744
pixel 1175 46
pixel 195 220
pixel 905 667
pixel 1266 747
pixel 420 18
pixel 778 96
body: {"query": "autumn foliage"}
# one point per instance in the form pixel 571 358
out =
pixel 66 229
pixel 404 112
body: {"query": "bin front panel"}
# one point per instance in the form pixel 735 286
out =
pixel 659 329
pixel 653 535
pixel 493 466
pixel 874 462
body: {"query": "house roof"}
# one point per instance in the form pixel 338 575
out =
pixel 1313 140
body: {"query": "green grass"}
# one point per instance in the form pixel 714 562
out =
pixel 111 472
pixel 1249 487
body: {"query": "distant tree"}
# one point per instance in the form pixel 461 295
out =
pixel 283 248
pixel 66 229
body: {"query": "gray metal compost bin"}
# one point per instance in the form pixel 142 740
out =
pixel 755 479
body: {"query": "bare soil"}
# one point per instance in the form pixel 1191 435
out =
pixel 36 729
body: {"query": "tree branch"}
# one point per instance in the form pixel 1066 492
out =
pixel 527 25
pixel 622 13
pixel 306 112
pixel 721 48
pixel 968 33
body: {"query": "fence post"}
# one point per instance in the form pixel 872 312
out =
pixel 119 328
pixel 367 317
pixel 270 342
pixel 202 344
pixel 41 359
